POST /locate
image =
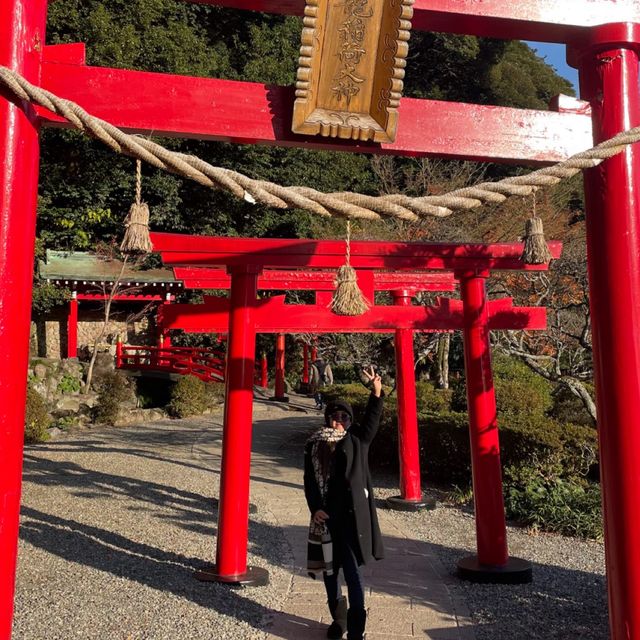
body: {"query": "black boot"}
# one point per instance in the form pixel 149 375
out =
pixel 338 610
pixel 356 621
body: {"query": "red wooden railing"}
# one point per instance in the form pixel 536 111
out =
pixel 204 363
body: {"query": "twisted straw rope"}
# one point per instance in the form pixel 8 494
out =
pixel 345 204
pixel 138 182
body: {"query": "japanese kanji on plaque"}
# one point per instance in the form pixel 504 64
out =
pixel 351 68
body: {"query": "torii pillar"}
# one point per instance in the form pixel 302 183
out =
pixel 305 367
pixel 22 28
pixel 233 510
pixel 410 498
pixel 279 385
pixel 492 562
pixel 72 327
pixel 608 64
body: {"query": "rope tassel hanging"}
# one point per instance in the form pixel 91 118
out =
pixel 536 250
pixel 136 236
pixel 348 300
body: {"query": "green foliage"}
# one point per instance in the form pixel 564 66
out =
pixel 345 373
pixel 66 422
pixel 188 397
pixel 69 384
pixel 37 420
pixel 215 393
pixel 460 496
pixel 356 394
pixel 114 390
pixel 522 79
pixel 431 399
pixel 546 461
pixel 458 395
pixel 546 501
pixel 480 70
pixel 569 408
pixel 519 389
pixel 46 297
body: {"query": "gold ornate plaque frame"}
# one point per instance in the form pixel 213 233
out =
pixel 351 68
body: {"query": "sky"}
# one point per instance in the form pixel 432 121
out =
pixel 554 55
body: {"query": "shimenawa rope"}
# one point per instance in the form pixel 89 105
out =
pixel 346 204
pixel 136 236
pixel 348 299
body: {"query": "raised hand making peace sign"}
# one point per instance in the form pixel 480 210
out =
pixel 375 380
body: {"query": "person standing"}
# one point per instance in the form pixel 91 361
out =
pixel 320 375
pixel 344 531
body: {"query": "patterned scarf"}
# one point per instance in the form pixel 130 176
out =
pixel 320 547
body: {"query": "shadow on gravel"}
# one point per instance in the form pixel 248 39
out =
pixel 147 565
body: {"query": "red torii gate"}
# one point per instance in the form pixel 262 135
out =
pixel 604 40
pixel 242 315
pixel 318 281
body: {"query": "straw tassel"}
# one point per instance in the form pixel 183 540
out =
pixel 348 300
pixel 536 250
pixel 136 236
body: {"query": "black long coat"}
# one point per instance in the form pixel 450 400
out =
pixel 350 503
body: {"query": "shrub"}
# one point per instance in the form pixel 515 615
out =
pixel 534 440
pixel 546 501
pixel 188 397
pixel 215 393
pixel 518 389
pixel 345 373
pixel 431 399
pixel 69 384
pixel 36 420
pixel 445 452
pixel 458 396
pixel 567 407
pixel 355 394
pixel 114 390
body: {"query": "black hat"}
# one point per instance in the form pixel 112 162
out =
pixel 337 405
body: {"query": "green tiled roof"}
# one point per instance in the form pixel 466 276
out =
pixel 87 267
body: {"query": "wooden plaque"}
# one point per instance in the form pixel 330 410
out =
pixel 351 68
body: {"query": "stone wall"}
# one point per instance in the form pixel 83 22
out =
pixel 49 336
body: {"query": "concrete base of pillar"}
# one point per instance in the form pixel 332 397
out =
pixel 516 571
pixel 253 577
pixel 281 399
pixel 397 503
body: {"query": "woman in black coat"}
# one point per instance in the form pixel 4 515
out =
pixel 344 531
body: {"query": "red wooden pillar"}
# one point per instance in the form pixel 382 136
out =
pixel 492 562
pixel 264 371
pixel 22 37
pixel 72 327
pixel 279 390
pixel 410 498
pixel 608 65
pixel 233 510
pixel 165 336
pixel 305 363
pixel 119 354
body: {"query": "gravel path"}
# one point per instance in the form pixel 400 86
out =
pixel 113 524
pixel 115 520
pixel 566 600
